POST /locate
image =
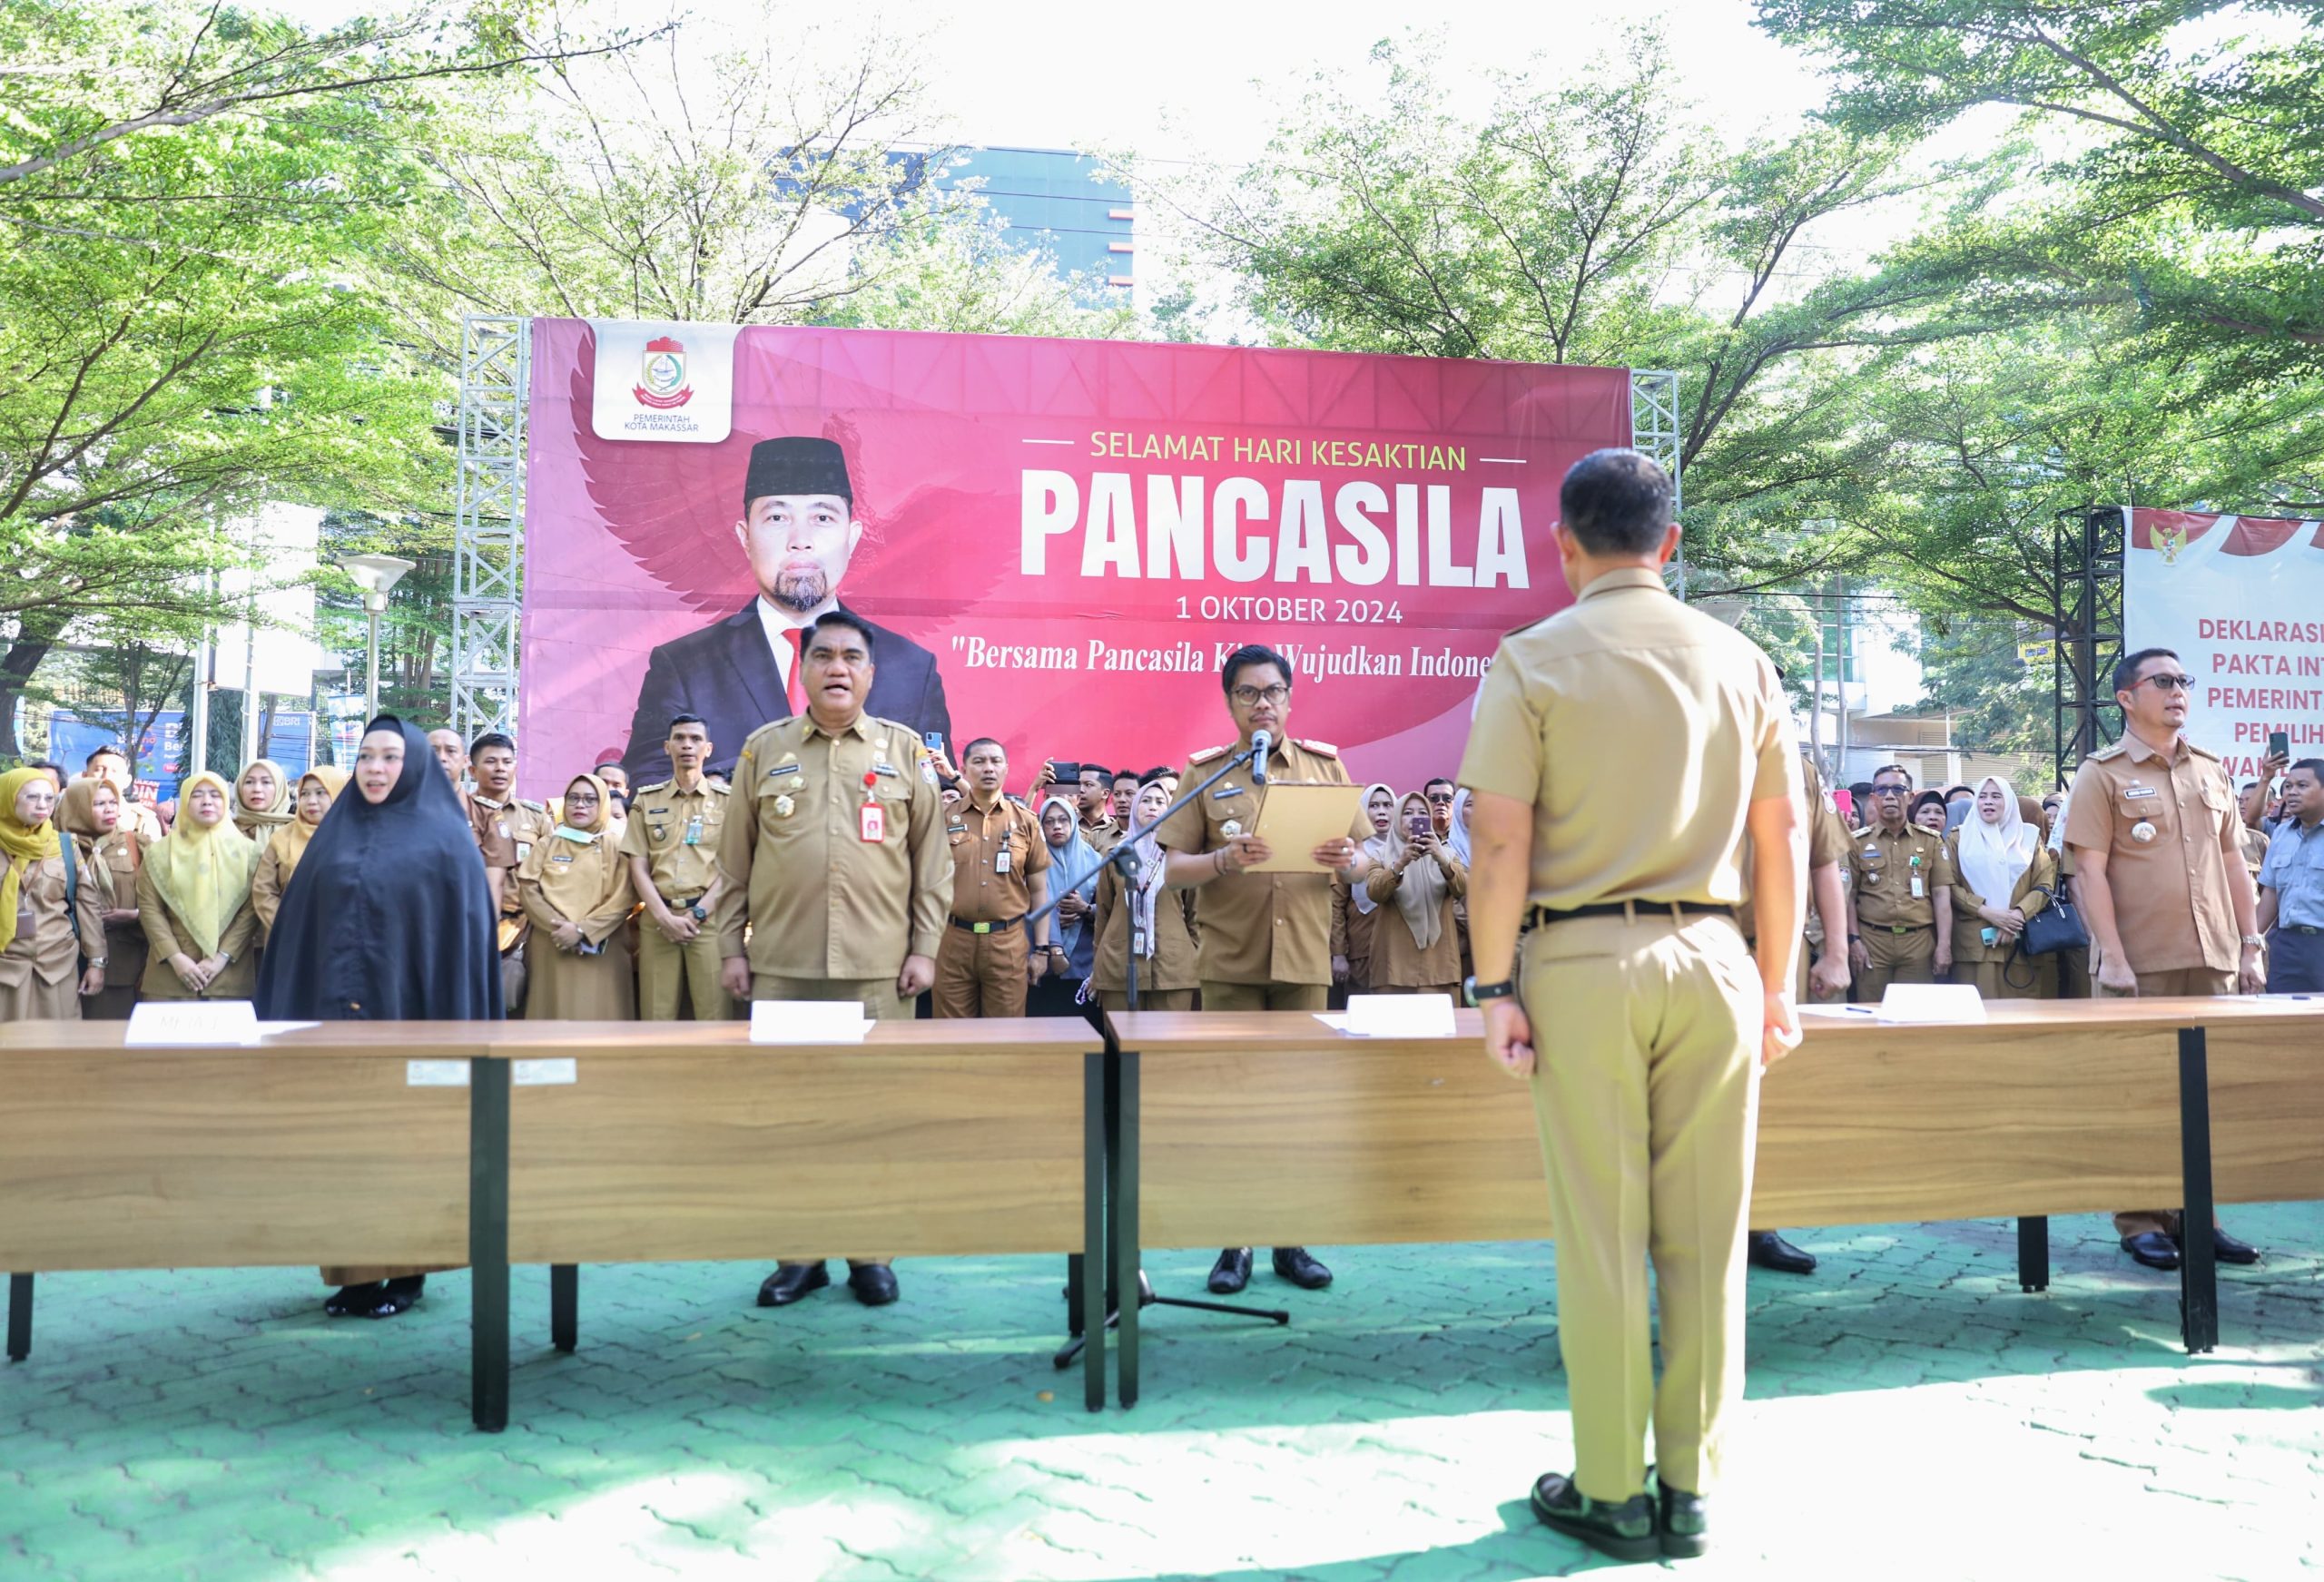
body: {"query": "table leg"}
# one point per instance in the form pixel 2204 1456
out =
pixel 2198 1265
pixel 564 1305
pixel 1088 1275
pixel 488 1242
pixel 20 1317
pixel 2033 1252
pixel 1121 1240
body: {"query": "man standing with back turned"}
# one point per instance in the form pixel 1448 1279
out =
pixel 1647 1094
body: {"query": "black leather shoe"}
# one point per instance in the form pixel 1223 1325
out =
pixel 2154 1249
pixel 2227 1249
pixel 1625 1531
pixel 875 1284
pixel 1683 1520
pixel 1231 1272
pixel 790 1281
pixel 1302 1268
pixel 1768 1249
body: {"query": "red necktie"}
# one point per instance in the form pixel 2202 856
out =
pixel 797 689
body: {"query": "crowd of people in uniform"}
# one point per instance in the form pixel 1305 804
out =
pixel 840 857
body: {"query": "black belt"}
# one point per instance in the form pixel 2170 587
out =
pixel 2299 928
pixel 965 926
pixel 680 901
pixel 1540 915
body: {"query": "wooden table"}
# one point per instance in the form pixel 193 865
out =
pixel 1269 1127
pixel 657 1141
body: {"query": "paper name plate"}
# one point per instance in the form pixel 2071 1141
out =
pixel 808 1021
pixel 191 1021
pixel 1932 1002
pixel 1398 1016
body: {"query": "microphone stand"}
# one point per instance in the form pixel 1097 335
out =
pixel 1124 859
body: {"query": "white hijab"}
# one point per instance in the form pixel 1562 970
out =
pixel 1996 855
pixel 1420 893
pixel 1381 847
pixel 1459 839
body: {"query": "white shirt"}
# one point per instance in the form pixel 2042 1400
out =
pixel 779 623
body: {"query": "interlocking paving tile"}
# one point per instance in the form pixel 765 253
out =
pixel 1910 1413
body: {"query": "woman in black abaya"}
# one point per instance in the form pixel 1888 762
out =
pixel 386 919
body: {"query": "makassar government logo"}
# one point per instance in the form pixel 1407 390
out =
pixel 662 376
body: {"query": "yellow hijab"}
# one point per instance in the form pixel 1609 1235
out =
pixel 258 823
pixel 203 876
pixel 23 844
pixel 588 885
pixel 290 842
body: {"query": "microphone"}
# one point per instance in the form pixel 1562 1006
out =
pixel 1260 742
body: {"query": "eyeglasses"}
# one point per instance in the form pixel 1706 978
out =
pixel 1251 697
pixel 1441 799
pixel 2167 683
pixel 1892 791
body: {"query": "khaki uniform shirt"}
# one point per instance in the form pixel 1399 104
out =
pixel 1827 842
pixel 1103 836
pixel 822 901
pixel 1174 958
pixel 506 833
pixel 1883 868
pixel 985 890
pixel 1260 927
pixel 2171 906
pixel 1687 707
pixel 49 940
pixel 677 832
pixel 1969 945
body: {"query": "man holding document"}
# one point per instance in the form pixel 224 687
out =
pixel 1266 914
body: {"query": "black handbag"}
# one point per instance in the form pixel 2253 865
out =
pixel 2056 926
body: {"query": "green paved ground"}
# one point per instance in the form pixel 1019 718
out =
pixel 1911 1415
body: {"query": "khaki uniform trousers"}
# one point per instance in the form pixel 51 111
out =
pixel 2186 980
pixel 1148 1000
pixel 1907 957
pixel 1262 996
pixel 670 974
pixel 1646 1090
pixel 880 1002
pixel 2011 977
pixel 982 975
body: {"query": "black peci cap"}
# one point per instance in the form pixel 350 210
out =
pixel 797 465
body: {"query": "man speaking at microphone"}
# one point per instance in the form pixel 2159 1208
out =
pixel 1265 937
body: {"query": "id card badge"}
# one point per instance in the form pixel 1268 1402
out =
pixel 1000 863
pixel 874 824
pixel 693 830
pixel 1920 891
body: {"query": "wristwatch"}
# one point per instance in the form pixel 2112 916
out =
pixel 696 912
pixel 2255 941
pixel 98 962
pixel 1478 993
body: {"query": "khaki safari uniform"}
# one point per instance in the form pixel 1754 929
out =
pixel 677 832
pixel 109 865
pixel 1266 937
pixel 39 972
pixel 832 914
pixel 238 979
pixel 1168 975
pixel 1398 965
pixel 1894 879
pixel 2161 821
pixel 1828 843
pixel 1352 928
pixel 598 986
pixel 506 833
pixel 1998 969
pixel 996 850
pixel 1647 1025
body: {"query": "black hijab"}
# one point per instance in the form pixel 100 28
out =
pixel 388 917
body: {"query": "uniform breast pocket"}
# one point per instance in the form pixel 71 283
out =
pixel 1871 868
pixel 956 836
pixel 2133 812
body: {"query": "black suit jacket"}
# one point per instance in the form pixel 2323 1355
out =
pixel 726 673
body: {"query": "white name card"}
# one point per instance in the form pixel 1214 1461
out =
pixel 808 1021
pixel 1398 1016
pixel 191 1021
pixel 551 1073
pixel 434 1073
pixel 1932 1002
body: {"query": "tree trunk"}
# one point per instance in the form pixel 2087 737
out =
pixel 36 636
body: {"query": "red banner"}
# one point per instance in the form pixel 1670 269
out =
pixel 1057 541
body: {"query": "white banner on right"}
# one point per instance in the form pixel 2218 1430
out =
pixel 2241 600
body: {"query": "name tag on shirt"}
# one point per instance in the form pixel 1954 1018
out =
pixel 784 769
pixel 2132 793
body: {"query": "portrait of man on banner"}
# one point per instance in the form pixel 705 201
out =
pixel 799 531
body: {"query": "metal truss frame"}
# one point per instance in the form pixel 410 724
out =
pixel 487 558
pixel 2086 571
pixel 1655 431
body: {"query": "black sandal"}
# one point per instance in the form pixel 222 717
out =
pixel 349 1300
pixel 398 1295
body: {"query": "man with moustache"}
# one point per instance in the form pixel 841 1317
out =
pixel 799 531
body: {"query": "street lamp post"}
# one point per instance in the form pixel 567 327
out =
pixel 375 574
